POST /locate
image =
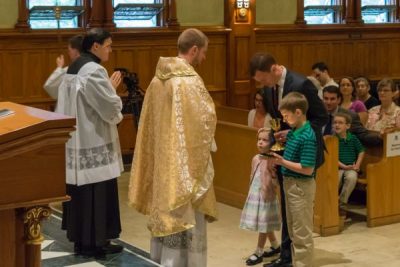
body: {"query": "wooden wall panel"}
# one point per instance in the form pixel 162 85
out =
pixel 34 65
pixel 12 73
pixel 26 61
pixel 242 51
pixel 348 51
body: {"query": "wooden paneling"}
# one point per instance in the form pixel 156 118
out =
pixel 27 59
pixel 348 51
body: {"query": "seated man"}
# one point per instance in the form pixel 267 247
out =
pixel 321 73
pixel 351 154
pixel 332 98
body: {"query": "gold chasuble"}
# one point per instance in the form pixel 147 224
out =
pixel 172 172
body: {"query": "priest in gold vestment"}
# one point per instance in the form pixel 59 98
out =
pixel 172 173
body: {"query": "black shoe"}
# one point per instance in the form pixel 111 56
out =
pixel 279 263
pixel 77 248
pixel 271 252
pixel 111 249
pixel 91 252
pixel 254 259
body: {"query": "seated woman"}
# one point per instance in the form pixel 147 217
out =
pixel 362 91
pixel 259 117
pixel 348 90
pixel 385 118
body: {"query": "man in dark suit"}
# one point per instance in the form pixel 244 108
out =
pixel 332 98
pixel 278 82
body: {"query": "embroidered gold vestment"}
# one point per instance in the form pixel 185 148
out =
pixel 172 170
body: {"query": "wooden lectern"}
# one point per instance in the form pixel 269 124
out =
pixel 32 175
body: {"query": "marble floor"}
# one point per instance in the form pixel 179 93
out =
pixel 228 246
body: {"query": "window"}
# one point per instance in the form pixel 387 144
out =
pixel 44 15
pixel 137 13
pixel 322 11
pixel 378 11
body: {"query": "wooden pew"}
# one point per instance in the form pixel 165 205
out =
pixel 382 187
pixel 326 210
pixel 230 114
pixel 232 162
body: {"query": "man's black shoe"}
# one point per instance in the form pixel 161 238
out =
pixel 271 252
pixel 111 248
pixel 279 263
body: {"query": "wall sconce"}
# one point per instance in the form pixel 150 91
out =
pixel 242 6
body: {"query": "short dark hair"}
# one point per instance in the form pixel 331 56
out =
pixel 293 101
pixel 346 116
pixel 321 66
pixel 332 89
pixel 191 37
pixel 261 62
pixel 362 79
pixel 95 35
pixel 75 42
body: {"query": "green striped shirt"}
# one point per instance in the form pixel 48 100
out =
pixel 349 148
pixel 301 147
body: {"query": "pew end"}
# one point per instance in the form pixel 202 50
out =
pixel 381 184
pixel 326 204
pixel 232 162
pixel 231 114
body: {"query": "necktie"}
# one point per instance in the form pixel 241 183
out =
pixel 328 127
pixel 275 97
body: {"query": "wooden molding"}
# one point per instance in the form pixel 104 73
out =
pixel 172 19
pixel 23 16
pixel 300 13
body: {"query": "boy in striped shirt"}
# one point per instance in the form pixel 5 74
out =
pixel 351 154
pixel 298 164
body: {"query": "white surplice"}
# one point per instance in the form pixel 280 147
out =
pixel 93 153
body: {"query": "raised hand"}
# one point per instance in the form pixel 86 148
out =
pixel 60 61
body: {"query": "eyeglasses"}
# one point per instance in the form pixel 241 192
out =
pixel 384 91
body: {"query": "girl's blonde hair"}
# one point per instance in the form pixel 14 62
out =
pixel 261 130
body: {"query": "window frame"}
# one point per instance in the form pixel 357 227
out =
pixel 337 13
pixel 351 14
pixel 99 14
pixel 159 16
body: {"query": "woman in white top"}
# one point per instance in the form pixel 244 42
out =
pixel 385 118
pixel 259 116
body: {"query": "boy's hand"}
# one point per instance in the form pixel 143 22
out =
pixel 281 136
pixel 276 158
pixel 356 167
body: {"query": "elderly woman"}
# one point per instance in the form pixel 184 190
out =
pixel 259 116
pixel 385 118
pixel 362 91
pixel 348 91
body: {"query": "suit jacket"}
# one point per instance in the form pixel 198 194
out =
pixel 316 114
pixel 367 137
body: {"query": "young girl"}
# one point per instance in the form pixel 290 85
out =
pixel 261 211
